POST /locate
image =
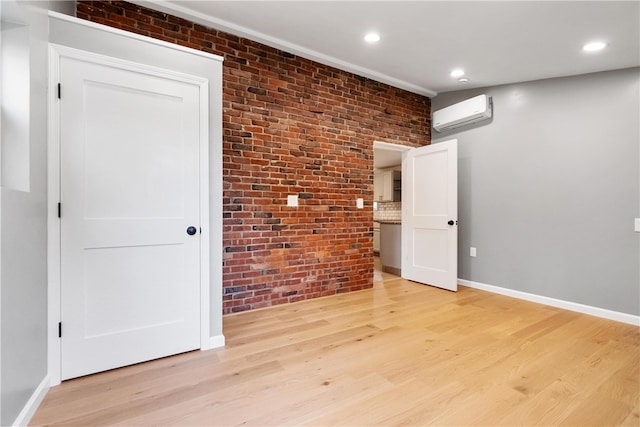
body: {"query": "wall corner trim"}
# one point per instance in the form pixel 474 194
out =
pixel 24 417
pixel 214 342
pixel 553 302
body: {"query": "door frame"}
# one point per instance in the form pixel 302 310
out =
pixel 53 193
pixel 390 146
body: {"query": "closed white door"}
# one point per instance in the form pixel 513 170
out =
pixel 429 215
pixel 129 190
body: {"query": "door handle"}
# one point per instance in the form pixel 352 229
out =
pixel 191 230
pixel 450 222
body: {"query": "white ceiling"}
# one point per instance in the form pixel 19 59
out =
pixel 383 158
pixel 495 42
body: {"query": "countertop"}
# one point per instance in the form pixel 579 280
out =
pixel 388 222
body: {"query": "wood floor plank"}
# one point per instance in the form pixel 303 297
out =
pixel 398 354
pixel 436 400
pixel 370 410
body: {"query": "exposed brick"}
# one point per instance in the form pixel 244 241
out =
pixel 290 126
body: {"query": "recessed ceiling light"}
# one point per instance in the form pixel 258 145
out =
pixel 463 80
pixel 457 72
pixel 372 37
pixel 594 46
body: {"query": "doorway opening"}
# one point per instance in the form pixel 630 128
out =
pixel 387 210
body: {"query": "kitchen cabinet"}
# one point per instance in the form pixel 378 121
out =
pixel 390 247
pixel 387 186
pixel 376 237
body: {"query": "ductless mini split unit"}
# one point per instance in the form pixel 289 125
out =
pixel 463 113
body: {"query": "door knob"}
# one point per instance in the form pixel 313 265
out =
pixel 450 222
pixel 191 230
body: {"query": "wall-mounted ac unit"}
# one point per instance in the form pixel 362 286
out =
pixel 469 111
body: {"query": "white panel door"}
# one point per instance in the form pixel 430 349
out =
pixel 429 215
pixel 129 190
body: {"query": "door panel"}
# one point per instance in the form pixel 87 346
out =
pixel 129 185
pixel 159 181
pixel 430 202
pixel 430 249
pixel 104 287
pixel 430 199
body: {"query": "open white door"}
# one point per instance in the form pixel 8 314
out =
pixel 429 215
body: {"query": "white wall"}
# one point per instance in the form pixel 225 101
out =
pixel 23 260
pixel 550 187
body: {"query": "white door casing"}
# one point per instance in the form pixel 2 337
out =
pixel 429 215
pixel 130 175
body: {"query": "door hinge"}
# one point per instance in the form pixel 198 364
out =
pixel 59 329
pixel 59 90
pixel 59 210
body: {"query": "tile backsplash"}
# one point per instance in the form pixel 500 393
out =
pixel 387 211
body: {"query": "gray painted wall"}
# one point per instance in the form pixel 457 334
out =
pixel 23 261
pixel 550 187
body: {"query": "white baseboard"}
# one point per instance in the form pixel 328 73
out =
pixel 24 417
pixel 213 342
pixel 567 305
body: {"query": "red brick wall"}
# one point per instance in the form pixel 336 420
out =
pixel 290 126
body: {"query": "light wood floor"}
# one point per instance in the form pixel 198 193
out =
pixel 399 354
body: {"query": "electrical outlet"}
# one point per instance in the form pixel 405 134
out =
pixel 472 252
pixel 637 227
pixel 292 200
pixel 359 203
